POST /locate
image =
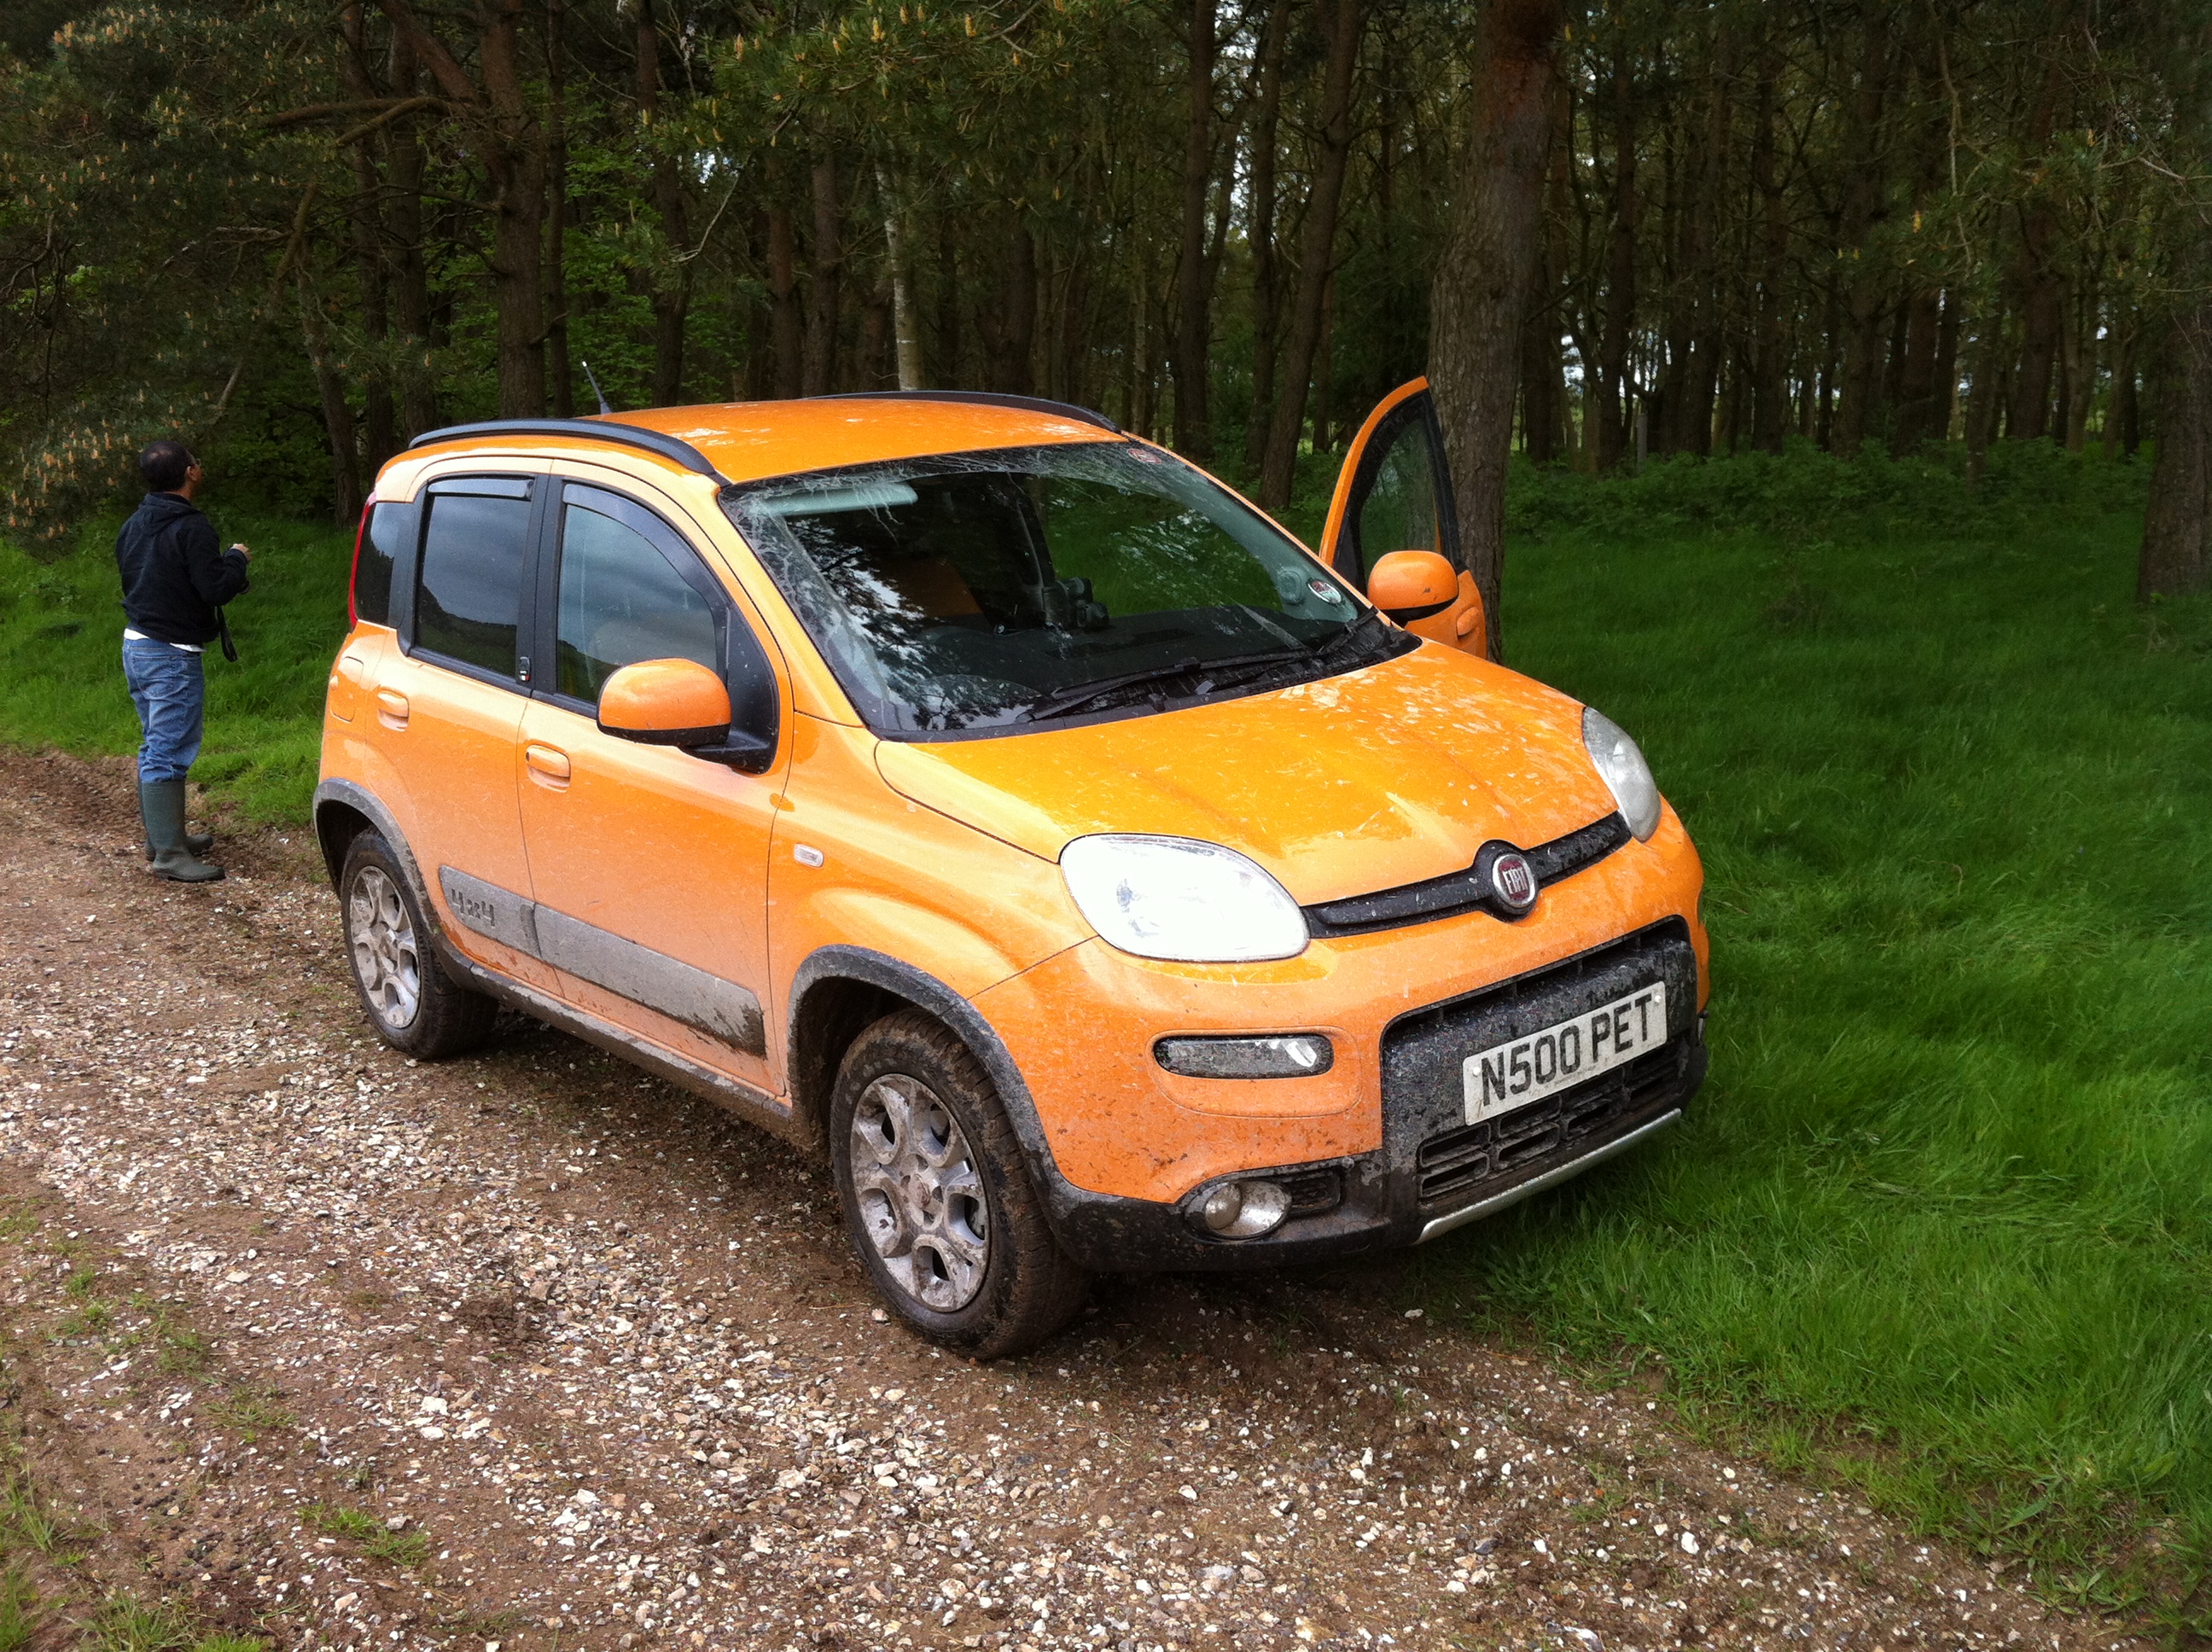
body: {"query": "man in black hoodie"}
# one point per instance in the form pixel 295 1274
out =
pixel 174 582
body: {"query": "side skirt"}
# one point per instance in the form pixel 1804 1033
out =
pixel 754 1105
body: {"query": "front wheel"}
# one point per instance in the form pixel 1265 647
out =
pixel 415 1006
pixel 937 1194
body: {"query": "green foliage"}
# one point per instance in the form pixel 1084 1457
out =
pixel 61 675
pixel 404 1548
pixel 19 1612
pixel 1939 1222
pixel 123 1623
pixel 339 1521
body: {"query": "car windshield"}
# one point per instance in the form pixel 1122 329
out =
pixel 991 591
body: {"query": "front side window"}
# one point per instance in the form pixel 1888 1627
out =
pixel 993 591
pixel 475 546
pixel 621 600
pixel 1399 510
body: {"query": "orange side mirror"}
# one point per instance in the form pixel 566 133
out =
pixel 665 703
pixel 1412 585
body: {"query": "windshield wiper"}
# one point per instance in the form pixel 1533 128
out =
pixel 1058 702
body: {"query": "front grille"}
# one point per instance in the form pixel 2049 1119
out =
pixel 1425 1052
pixel 1452 1162
pixel 1462 891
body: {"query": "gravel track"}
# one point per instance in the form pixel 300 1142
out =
pixel 530 1350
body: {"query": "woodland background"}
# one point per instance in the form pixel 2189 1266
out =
pixel 298 234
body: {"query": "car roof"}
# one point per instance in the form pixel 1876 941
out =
pixel 748 441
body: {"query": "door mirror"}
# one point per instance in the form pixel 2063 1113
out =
pixel 1412 585
pixel 665 703
pixel 680 703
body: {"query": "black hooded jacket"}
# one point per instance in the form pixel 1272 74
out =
pixel 173 578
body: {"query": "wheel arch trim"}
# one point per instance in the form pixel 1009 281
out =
pixel 900 980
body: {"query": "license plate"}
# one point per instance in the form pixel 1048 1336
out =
pixel 1540 1063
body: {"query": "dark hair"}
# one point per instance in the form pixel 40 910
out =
pixel 163 464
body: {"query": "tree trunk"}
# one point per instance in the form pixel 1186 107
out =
pixel 1482 280
pixel 1770 390
pixel 338 418
pixel 670 287
pixel 1267 297
pixel 1192 425
pixel 410 278
pixel 951 369
pixel 378 421
pixel 906 316
pixel 1621 274
pixel 557 365
pixel 1863 297
pixel 1010 337
pixel 512 147
pixel 784 321
pixel 822 308
pixel 1342 24
pixel 2176 561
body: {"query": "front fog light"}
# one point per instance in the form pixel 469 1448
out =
pixel 1293 1055
pixel 1245 1210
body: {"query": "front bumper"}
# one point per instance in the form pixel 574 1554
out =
pixel 1436 1172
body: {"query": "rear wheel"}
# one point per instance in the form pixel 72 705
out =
pixel 937 1194
pixel 415 1006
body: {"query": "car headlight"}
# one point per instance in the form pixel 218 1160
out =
pixel 1178 899
pixel 1622 768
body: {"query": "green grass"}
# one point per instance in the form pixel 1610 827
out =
pixel 1941 1220
pixel 61 672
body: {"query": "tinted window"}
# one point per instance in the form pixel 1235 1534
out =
pixel 621 602
pixel 473 554
pixel 1400 511
pixel 389 526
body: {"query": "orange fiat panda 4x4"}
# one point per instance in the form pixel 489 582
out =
pixel 998 806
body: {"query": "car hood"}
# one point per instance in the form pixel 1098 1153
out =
pixel 1386 775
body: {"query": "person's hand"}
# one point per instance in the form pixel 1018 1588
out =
pixel 244 552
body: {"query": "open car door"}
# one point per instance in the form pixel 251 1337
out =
pixel 1394 493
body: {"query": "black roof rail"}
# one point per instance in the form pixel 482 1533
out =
pixel 987 397
pixel 626 435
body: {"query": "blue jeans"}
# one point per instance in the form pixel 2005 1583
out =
pixel 169 687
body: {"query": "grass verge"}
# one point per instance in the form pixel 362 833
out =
pixel 61 671
pixel 1939 1223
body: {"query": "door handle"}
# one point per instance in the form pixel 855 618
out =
pixel 392 709
pixel 546 765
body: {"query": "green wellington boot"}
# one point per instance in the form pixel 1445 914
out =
pixel 197 843
pixel 162 804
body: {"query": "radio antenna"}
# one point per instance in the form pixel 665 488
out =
pixel 593 379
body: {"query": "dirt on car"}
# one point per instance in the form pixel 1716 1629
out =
pixel 529 1351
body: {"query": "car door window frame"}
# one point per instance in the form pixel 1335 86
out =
pixel 677 549
pixel 517 681
pixel 1349 559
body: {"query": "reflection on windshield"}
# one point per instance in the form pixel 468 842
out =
pixel 988 591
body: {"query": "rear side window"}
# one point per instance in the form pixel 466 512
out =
pixel 390 527
pixel 475 546
pixel 621 601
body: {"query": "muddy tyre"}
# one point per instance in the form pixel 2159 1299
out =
pixel 413 1004
pixel 937 1194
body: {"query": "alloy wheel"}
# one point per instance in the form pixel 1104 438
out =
pixel 384 951
pixel 920 1196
